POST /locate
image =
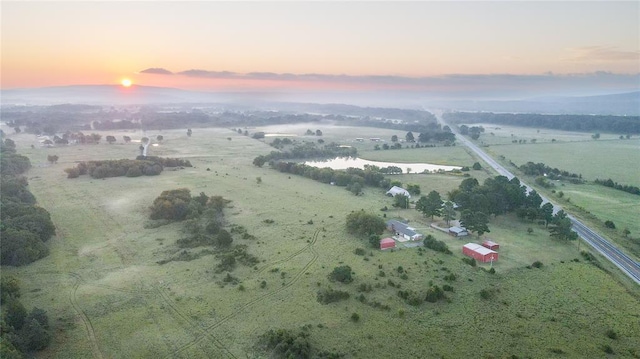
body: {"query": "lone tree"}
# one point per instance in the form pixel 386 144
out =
pixel 52 158
pixel 394 138
pixel 189 132
pixel 160 138
pixel 364 224
pixel 126 139
pixel 409 137
pixel 110 139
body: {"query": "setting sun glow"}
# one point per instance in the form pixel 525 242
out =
pixel 126 82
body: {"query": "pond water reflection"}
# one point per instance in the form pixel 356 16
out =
pixel 342 163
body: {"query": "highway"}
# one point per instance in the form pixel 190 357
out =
pixel 625 263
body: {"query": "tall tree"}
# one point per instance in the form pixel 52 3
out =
pixel 431 205
pixel 448 212
pixel 546 213
pixel 409 137
pixel 475 221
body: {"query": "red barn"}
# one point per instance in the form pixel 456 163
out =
pixel 491 245
pixel 479 252
pixel 387 243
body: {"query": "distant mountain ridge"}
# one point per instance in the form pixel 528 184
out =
pixel 627 103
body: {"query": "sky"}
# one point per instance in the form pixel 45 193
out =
pixel 324 45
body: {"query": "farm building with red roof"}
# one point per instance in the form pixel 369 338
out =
pixel 491 245
pixel 480 253
pixel 387 243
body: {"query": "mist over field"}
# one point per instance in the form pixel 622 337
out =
pixel 612 103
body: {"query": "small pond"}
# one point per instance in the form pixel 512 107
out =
pixel 346 162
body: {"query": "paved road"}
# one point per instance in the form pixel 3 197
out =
pixel 626 264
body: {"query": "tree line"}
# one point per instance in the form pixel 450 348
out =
pixel 621 187
pixel 142 165
pixel 25 226
pixel 541 169
pixel 584 123
pixel 307 150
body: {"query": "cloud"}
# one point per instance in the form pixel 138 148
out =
pixel 484 84
pixel 599 54
pixel 157 71
pixel 209 74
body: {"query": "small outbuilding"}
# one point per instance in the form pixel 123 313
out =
pixel 395 190
pixel 491 245
pixel 458 231
pixel 387 243
pixel 479 253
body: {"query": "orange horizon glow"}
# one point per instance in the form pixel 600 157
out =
pixel 126 82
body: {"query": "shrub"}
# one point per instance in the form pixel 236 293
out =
pixel 537 264
pixel 450 277
pixel 612 334
pixel 355 317
pixel 326 296
pixel 359 251
pixel 434 294
pixel 488 293
pixel 341 274
pixel 438 246
pixel 469 261
pixel 410 297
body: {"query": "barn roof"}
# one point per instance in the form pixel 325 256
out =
pixel 456 229
pixel 479 249
pixel 402 228
pixel 395 190
pixel 387 240
pixel 490 243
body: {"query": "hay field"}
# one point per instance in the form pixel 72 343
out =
pixel 108 298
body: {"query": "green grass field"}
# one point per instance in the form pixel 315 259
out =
pixel 108 298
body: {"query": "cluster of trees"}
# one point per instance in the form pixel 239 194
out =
pixel 622 187
pixel 25 226
pixel 353 179
pixel 584 123
pixel 22 332
pixel 365 224
pixel 311 133
pixel 541 169
pixel 307 150
pixel 142 165
pixel 499 195
pixel 178 205
pixel 283 343
pixel 474 131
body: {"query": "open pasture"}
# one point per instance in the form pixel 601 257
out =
pixel 105 291
pixel 496 134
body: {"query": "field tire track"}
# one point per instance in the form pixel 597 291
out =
pixel 91 335
pixel 250 303
pixel 197 330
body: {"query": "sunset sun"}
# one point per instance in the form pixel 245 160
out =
pixel 126 82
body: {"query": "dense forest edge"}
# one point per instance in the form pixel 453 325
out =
pixel 24 229
pixel 624 125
